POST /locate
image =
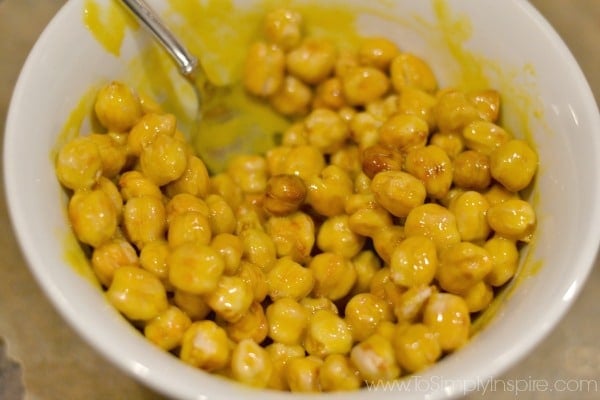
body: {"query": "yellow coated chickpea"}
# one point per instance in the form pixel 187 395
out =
pixel 222 184
pixel 231 299
pixel 453 111
pixel 110 256
pixel 334 275
pixel 134 184
pixel 416 347
pixel 144 220
pixel 375 359
pixel 470 209
pixel 335 236
pixel 411 71
pixel 254 276
pixel 314 304
pixel 195 268
pixel 302 374
pixel 497 194
pixel 326 130
pixel 264 69
pixel 137 293
pixel 304 161
pixel 153 258
pixel 487 102
pixel 417 102
pixel 193 305
pixel 329 94
pixel 364 129
pixel 167 328
pixel 284 194
pixel 259 248
pixel 190 226
pixel 287 321
pixel 293 235
pixel 280 355
pixel 289 279
pixel 377 52
pixel 117 107
pixel 478 297
pixel 293 97
pixel 79 163
pixel 472 170
pixel 249 172
pixel 447 315
pixel 283 27
pixel 327 333
pixel 221 216
pixel 293 135
pixel 205 345
pixel 251 364
pixel 431 165
pixel 414 262
pixel 338 374
pixel 514 218
pixel 398 192
pixel 110 188
pixel 484 136
pixel 378 158
pixel 461 266
pixel 312 61
pixel 230 247
pixel 386 239
pixel 112 154
pixel 409 305
pixel 252 325
pixel 183 203
pixel 367 221
pixel 451 142
pixel 505 260
pixel 147 129
pixel 194 180
pixel 383 287
pixel 327 192
pixel 435 222
pixel 404 132
pixel 366 264
pixel 514 164
pixel 93 216
pixel 364 312
pixel 364 85
pixel 164 160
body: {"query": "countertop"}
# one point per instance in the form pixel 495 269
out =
pixel 42 358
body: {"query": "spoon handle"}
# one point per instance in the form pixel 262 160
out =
pixel 186 61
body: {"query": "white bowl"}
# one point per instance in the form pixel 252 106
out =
pixel 545 94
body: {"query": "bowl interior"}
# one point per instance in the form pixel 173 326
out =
pixel 546 99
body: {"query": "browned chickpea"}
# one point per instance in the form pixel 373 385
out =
pixel 379 158
pixel 472 170
pixel 284 195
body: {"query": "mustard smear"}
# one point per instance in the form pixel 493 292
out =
pixel 108 25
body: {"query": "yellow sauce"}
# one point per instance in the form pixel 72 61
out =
pixel 217 32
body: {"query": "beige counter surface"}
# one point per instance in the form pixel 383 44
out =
pixel 42 358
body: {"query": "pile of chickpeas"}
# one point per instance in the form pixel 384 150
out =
pixel 359 249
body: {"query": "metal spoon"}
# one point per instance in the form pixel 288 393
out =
pixel 242 124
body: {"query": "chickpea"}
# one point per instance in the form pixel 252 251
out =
pixel 302 374
pixel 378 158
pixel 112 154
pixel 205 345
pixel 470 209
pixel 256 279
pixel 283 27
pixel 153 258
pixel 328 191
pixel 194 180
pixel 435 222
pixel 364 129
pixel 368 220
pixel 293 235
pixel 375 359
pixel 377 52
pixel 433 167
pixel 364 312
pixel 514 164
pixel 326 130
pixel 264 70
pixel 505 258
pixel 417 102
pixel 347 158
pixel 230 247
pixel 485 136
pixel 327 333
pixel 416 347
pixel 93 216
pixel 303 161
pixel 410 304
pixel 259 248
pixel 398 192
pixel 329 94
pixel 117 107
pixel 383 287
pixel 337 374
pixel 249 172
pixel 453 111
pixel 364 85
pixel 166 330
pixel 79 163
pixel 487 102
pixel 231 298
pixel 293 97
pixel 164 160
pixel 472 170
pixel 404 132
pixel 223 185
pixel 414 262
pixel 478 297
pixel 497 194
pixel 280 355
pixel 314 304
pixel 110 256
pixel 252 325
pixel 461 266
pixel 514 218
pixel 148 127
pixel 187 227
pixel 452 143
pixel 386 239
pixel 251 364
pixel 145 220
pixel 293 135
pixel 366 264
pixel 193 305
pixel 409 70
pixel 312 61
pixel 334 275
pixel 335 236
pixel 447 315
pixel 287 321
pixel 195 268
pixel 134 184
pixel 221 216
pixel 289 279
